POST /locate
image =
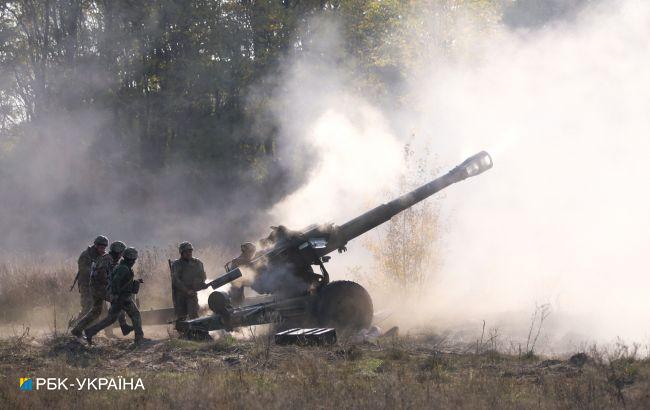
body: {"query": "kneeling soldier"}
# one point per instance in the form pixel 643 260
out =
pixel 99 278
pixel 122 287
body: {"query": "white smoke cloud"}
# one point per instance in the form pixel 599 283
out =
pixel 563 216
pixel 353 152
pixel 358 157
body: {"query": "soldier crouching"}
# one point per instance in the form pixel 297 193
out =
pixel 122 287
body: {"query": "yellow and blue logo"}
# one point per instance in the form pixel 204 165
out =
pixel 26 384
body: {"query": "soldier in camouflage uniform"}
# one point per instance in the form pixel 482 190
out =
pixel 99 278
pixel 122 287
pixel 85 262
pixel 188 277
pixel 236 292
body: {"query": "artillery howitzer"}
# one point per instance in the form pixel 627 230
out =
pixel 283 269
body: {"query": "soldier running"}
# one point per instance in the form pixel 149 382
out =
pixel 122 287
pixel 85 263
pixel 188 277
pixel 99 279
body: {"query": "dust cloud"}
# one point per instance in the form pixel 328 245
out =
pixel 562 105
pixel 562 219
pixel 560 102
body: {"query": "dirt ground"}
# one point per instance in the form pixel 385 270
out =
pixel 392 372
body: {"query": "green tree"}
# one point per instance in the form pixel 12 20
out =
pixel 178 93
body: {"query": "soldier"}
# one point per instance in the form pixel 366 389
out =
pixel 188 277
pixel 277 234
pixel 122 287
pixel 236 292
pixel 85 263
pixel 99 278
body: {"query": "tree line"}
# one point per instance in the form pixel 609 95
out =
pixel 148 86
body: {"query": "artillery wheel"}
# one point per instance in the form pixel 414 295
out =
pixel 344 305
pixel 219 303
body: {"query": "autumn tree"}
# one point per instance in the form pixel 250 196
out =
pixel 406 250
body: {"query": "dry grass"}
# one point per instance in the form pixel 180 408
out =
pixel 409 372
pixel 399 373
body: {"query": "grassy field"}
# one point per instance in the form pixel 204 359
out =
pixel 402 372
pixel 423 371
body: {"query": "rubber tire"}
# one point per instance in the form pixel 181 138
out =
pixel 218 302
pixel 345 306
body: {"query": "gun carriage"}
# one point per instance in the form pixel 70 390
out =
pixel 283 269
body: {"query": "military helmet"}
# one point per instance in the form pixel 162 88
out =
pixel 184 246
pixel 117 247
pixel 130 253
pixel 247 247
pixel 101 240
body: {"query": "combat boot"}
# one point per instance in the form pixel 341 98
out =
pixel 140 340
pixel 89 337
pixel 126 329
pixel 76 332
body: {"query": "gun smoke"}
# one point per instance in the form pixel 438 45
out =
pixel 558 100
pixel 561 219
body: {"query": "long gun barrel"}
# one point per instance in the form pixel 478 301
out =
pixel 288 256
pixel 472 166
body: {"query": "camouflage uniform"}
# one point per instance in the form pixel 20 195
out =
pixel 99 279
pixel 188 277
pixel 84 263
pixel 121 285
pixel 236 291
pixel 247 255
